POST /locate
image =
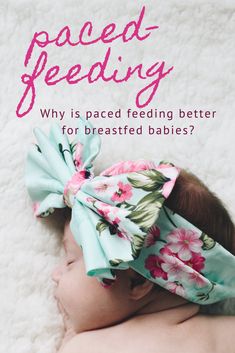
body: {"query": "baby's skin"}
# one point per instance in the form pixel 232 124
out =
pixel 131 316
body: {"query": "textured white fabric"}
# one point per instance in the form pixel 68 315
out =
pixel 197 37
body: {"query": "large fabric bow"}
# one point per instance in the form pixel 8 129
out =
pixel 119 218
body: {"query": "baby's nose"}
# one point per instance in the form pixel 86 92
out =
pixel 56 273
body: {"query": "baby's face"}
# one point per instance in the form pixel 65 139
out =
pixel 86 303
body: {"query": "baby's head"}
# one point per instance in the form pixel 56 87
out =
pixel 91 306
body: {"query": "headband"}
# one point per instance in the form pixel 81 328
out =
pixel 120 221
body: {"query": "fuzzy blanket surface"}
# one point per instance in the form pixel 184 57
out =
pixel 197 38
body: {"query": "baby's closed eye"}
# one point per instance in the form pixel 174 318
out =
pixel 70 262
pixel 71 258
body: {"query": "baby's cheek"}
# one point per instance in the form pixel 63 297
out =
pixel 71 286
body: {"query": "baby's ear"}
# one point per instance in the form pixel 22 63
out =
pixel 139 285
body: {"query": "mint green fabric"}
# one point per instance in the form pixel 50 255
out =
pixel 120 220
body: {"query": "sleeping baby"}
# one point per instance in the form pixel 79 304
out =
pixel 146 244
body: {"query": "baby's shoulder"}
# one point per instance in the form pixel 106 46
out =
pixel 199 334
pixel 215 331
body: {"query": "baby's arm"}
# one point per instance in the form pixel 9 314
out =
pixel 217 332
pixel 224 328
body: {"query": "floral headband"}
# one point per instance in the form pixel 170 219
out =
pixel 120 221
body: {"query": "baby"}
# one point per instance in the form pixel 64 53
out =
pixel 145 246
pixel 135 315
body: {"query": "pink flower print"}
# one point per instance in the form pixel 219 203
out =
pixel 167 188
pixel 173 266
pixel 90 199
pixel 73 185
pixel 122 234
pixel 154 264
pixel 184 242
pixel 102 187
pixel 152 236
pixel 196 262
pixel 176 288
pixel 78 156
pixel 166 251
pixel 75 182
pixel 128 167
pixel 103 212
pixel 104 209
pixel 124 192
pixel 142 164
pixel 116 220
pixel 197 278
pixel 170 172
pixel 114 228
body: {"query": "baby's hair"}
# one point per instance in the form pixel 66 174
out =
pixel 191 199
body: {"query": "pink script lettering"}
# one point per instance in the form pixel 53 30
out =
pixel 98 71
